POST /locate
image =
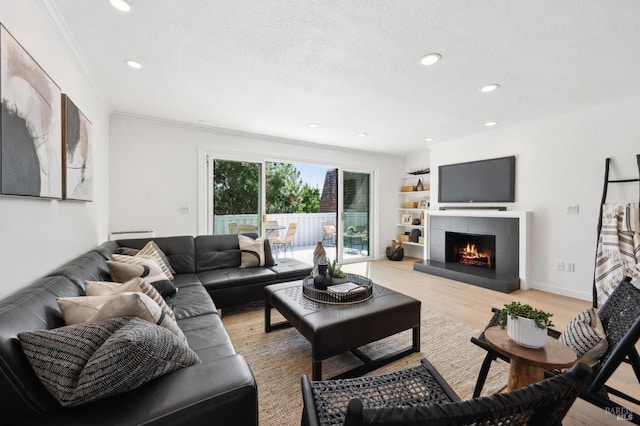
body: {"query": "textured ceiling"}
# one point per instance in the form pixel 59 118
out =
pixel 272 66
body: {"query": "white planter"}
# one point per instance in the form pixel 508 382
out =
pixel 525 332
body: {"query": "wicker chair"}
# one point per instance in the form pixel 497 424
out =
pixel 620 316
pixel 420 396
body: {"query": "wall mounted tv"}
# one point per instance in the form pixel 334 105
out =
pixel 484 181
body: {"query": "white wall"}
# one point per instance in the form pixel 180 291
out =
pixel 154 171
pixel 560 161
pixel 38 235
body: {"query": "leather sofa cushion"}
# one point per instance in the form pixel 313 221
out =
pixel 217 252
pixel 207 336
pixel 222 278
pixel 31 308
pixel 216 390
pixel 291 268
pixel 109 357
pixel 90 266
pixel 191 301
pixel 179 250
pixel 107 248
pixel 186 280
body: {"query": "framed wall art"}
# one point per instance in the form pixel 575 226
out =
pixel 77 160
pixel 30 127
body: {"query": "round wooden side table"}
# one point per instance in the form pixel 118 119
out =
pixel 527 365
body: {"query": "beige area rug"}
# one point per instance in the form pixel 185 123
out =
pixel 278 359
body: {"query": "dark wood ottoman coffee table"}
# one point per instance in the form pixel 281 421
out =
pixel 335 329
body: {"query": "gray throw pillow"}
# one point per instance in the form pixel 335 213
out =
pixel 86 362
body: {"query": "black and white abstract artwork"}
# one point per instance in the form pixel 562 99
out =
pixel 78 156
pixel 31 128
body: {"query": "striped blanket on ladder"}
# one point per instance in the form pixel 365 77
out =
pixel 618 247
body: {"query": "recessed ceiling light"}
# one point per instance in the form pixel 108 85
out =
pixel 490 88
pixel 121 5
pixel 490 123
pixel 429 140
pixel 133 64
pixel 362 135
pixel 430 59
pixel 313 125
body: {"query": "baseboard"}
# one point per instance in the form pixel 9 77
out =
pixel 561 291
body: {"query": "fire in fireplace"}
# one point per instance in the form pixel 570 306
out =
pixel 470 249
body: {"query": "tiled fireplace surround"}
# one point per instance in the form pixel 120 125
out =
pixel 510 233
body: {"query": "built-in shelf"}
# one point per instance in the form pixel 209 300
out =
pixel 409 243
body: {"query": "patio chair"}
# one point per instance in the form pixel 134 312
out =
pixel 273 233
pixel 620 316
pixel 420 396
pixel 233 227
pixel 247 229
pixel 328 232
pixel 282 243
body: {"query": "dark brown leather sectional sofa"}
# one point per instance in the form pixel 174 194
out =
pixel 219 390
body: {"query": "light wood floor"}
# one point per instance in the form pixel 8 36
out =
pixel 472 305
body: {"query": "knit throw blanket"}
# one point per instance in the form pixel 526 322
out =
pixel 618 247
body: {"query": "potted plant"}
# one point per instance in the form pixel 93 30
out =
pixel 337 275
pixel 526 325
pixel 351 229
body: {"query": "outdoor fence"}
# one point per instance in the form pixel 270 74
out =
pixel 309 229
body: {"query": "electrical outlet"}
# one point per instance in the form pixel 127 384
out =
pixel 560 265
pixel 571 267
pixel 573 208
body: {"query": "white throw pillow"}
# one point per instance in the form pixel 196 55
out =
pixel 84 309
pixel 251 251
pixel 137 284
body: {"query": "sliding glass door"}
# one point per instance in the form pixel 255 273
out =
pixel 237 200
pixel 356 215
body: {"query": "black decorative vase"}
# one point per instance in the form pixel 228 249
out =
pixel 321 279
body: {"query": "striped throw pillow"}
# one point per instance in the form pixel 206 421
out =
pixel 585 335
pixel 83 309
pixel 152 251
pixel 137 284
pixel 123 268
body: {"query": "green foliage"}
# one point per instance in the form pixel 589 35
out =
pixel 516 309
pixel 237 189
pixel 334 270
pixel 351 228
pixel 286 193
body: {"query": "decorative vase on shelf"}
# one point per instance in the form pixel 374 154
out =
pixel 419 186
pixel 319 256
pixel 321 280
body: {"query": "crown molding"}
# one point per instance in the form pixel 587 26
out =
pixel 52 13
pixel 240 133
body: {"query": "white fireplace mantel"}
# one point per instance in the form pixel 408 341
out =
pixel 523 230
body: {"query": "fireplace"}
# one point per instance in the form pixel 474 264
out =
pixel 480 248
pixel 473 250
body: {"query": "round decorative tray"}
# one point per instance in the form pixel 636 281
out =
pixel 361 294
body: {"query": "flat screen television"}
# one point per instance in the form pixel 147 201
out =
pixel 484 181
